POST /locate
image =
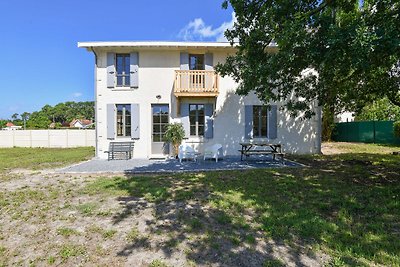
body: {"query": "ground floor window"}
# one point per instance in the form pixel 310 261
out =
pixel 124 120
pixel 196 119
pixel 260 115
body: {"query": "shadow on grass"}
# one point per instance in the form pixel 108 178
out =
pixel 346 206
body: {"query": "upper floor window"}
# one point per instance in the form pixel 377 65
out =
pixel 196 119
pixel 123 69
pixel 196 62
pixel 124 120
pixel 260 115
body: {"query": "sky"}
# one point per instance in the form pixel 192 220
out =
pixel 40 61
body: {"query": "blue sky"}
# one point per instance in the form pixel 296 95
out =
pixel 41 63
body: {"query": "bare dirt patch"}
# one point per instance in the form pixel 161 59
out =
pixel 56 219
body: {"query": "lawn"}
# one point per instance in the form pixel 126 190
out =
pixel 343 209
pixel 41 158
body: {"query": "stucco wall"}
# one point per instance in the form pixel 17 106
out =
pixel 47 138
pixel 156 77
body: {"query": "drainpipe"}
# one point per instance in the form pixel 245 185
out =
pixel 95 103
pixel 318 117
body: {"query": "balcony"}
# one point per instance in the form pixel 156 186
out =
pixel 196 83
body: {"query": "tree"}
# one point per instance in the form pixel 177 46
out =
pixel 2 123
pixel 38 120
pixel 15 116
pixel 379 110
pixel 341 54
pixel 60 113
pixel 25 116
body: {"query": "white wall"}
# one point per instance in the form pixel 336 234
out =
pixel 156 77
pixel 47 138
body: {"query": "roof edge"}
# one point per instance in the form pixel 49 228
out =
pixel 165 44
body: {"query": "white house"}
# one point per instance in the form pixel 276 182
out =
pixel 80 123
pixel 11 127
pixel 142 86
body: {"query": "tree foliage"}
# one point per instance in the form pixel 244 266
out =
pixel 341 53
pixel 59 114
pixel 379 110
pixel 396 129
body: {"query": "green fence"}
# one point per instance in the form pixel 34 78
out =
pixel 380 132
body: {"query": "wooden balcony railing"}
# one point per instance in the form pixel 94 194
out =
pixel 196 83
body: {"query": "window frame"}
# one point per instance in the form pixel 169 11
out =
pixel 203 66
pixel 124 123
pixel 197 124
pixel 258 129
pixel 125 76
pixel 160 124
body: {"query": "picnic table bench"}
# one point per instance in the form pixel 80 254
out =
pixel 120 149
pixel 261 148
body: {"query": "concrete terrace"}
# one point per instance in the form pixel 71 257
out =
pixel 173 165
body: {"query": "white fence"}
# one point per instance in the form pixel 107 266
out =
pixel 47 138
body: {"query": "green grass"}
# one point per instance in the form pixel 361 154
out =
pixel 41 158
pixel 69 251
pixel 87 209
pixel 158 263
pixel 344 205
pixel 67 232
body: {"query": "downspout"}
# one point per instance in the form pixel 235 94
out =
pixel 95 103
pixel 318 117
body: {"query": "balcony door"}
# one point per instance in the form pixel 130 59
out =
pixel 160 119
pixel 196 62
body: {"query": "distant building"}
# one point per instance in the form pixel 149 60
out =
pixel 345 117
pixel 80 123
pixel 11 127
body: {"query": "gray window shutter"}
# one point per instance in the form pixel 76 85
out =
pixel 185 118
pixel 184 82
pixel 209 64
pixel 248 122
pixel 110 70
pixel 111 117
pixel 209 122
pixel 184 61
pixel 272 122
pixel 208 58
pixel 135 121
pixel 134 70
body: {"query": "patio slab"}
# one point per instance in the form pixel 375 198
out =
pixel 173 165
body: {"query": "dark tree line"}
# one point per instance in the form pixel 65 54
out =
pixel 59 114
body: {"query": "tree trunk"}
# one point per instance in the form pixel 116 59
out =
pixel 328 122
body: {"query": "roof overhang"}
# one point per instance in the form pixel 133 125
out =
pixel 156 45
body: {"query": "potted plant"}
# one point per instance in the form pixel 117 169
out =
pixel 175 134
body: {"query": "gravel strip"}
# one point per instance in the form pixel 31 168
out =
pixel 173 165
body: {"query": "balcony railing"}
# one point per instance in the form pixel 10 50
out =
pixel 196 83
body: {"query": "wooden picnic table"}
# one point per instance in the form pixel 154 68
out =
pixel 260 148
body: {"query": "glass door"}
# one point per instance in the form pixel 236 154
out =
pixel 160 119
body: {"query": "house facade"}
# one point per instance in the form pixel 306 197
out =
pixel 11 127
pixel 80 123
pixel 142 86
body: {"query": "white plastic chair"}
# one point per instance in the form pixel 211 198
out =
pixel 186 152
pixel 212 152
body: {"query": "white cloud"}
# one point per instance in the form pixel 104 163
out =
pixel 197 30
pixel 77 94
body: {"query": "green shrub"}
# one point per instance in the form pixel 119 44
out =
pixel 175 134
pixel 396 128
